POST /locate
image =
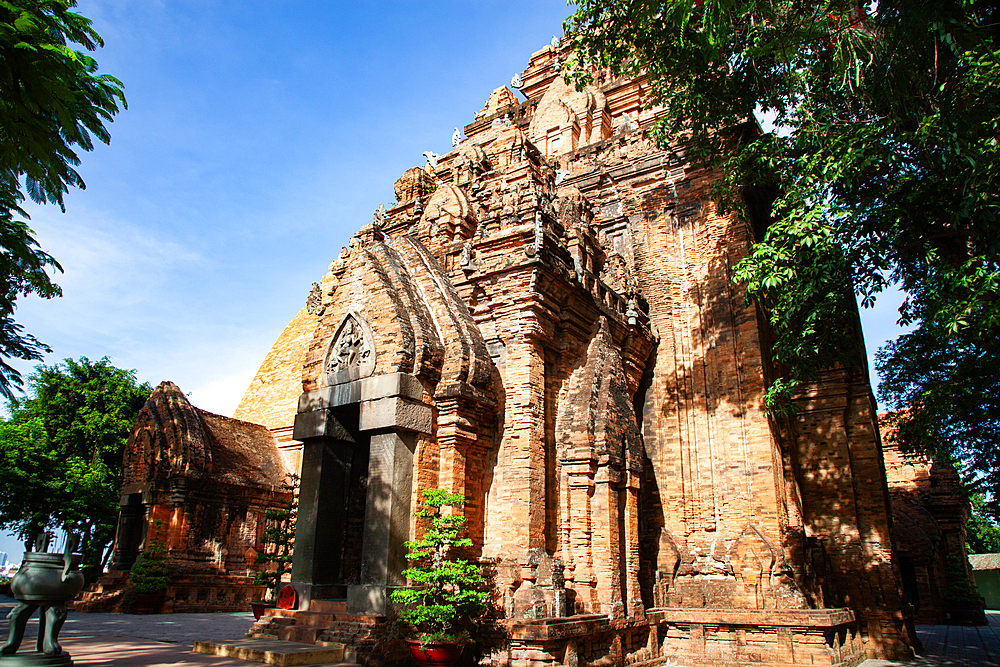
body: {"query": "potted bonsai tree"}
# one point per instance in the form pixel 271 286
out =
pixel 149 575
pixel 445 599
pixel 277 539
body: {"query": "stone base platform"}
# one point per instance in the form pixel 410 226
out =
pixel 36 659
pixel 773 637
pixel 325 623
pixel 693 637
pixel 275 652
pixel 186 593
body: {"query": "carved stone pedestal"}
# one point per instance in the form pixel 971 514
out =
pixel 35 659
pixel 693 637
pixel 773 637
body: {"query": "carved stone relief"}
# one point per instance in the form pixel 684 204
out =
pixel 351 354
pixel 314 304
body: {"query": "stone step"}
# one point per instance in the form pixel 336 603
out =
pixel 280 653
pixel 328 606
pixel 356 632
pixel 298 633
pixel 359 642
pixel 315 619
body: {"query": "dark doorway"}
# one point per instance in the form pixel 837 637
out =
pixel 131 526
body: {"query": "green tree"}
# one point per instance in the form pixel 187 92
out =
pixel 983 535
pixel 446 599
pixel 885 171
pixel 61 453
pixel 51 100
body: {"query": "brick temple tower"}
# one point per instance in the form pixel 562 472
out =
pixel 546 323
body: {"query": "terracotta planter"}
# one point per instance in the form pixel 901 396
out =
pixel 148 603
pixel 435 654
pixel 258 608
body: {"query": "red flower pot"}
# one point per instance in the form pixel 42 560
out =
pixel 435 654
pixel 258 608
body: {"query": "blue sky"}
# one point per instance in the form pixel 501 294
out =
pixel 259 136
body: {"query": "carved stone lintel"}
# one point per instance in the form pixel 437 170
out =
pixel 351 354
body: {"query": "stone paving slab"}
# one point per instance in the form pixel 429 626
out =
pixel 273 651
pixel 122 640
pixel 954 646
pixel 123 652
pixel 175 628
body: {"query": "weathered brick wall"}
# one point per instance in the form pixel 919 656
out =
pixel 841 479
pixel 562 289
pixel 210 480
pixel 273 394
pixel 929 514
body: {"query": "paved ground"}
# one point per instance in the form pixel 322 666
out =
pixel 123 640
pixel 955 645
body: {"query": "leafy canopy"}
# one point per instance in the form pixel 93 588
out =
pixel 447 593
pixel 61 453
pixel 983 535
pixel 885 171
pixel 52 103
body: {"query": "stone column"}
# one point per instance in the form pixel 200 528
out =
pixel 322 515
pixel 129 533
pixel 522 493
pixel 387 521
pixel 391 412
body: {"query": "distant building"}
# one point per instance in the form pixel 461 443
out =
pixel 3 559
pixel 210 480
pixel 986 570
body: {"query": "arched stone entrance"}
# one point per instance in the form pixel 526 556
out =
pixel 357 467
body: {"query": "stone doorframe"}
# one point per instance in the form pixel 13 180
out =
pixel 391 413
pixel 132 524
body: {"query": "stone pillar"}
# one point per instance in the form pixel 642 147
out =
pixel 522 496
pixel 633 595
pixel 390 413
pixel 129 533
pixel 319 529
pixel 387 521
pixel 606 541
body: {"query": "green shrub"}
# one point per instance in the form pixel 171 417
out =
pixel 278 538
pixel 445 599
pixel 149 574
pixel 959 592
